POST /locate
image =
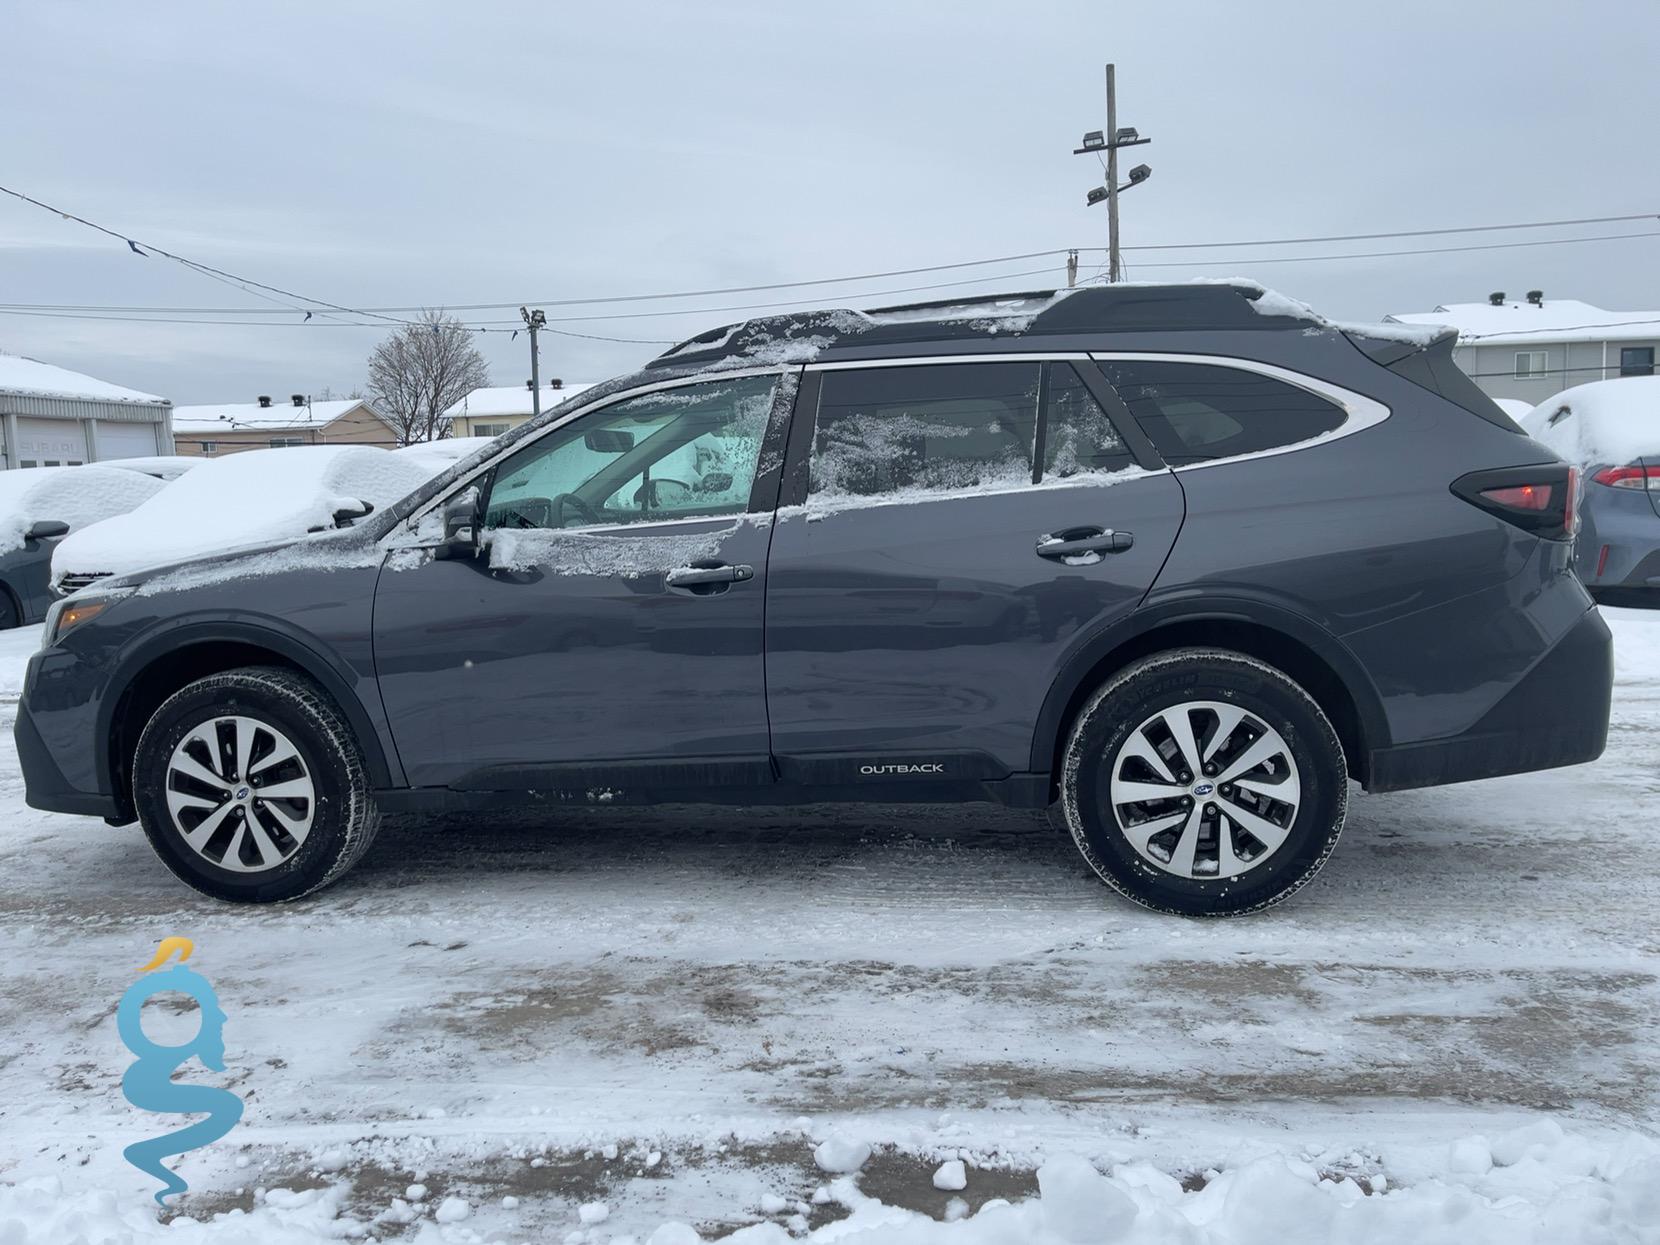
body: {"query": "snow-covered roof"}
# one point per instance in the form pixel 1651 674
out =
pixel 251 416
pixel 1606 421
pixel 511 400
pixel 1554 319
pixel 20 375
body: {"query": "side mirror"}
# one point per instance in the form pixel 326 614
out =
pixel 609 441
pixel 460 526
pixel 348 515
pixel 715 482
pixel 47 529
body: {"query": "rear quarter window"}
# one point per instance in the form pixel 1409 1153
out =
pixel 1199 412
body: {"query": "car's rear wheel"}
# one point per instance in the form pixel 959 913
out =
pixel 1204 782
pixel 251 787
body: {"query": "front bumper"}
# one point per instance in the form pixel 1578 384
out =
pixel 45 787
pixel 1556 715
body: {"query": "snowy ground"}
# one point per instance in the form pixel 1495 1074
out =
pixel 662 1011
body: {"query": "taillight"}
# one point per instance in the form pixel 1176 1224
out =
pixel 1543 499
pixel 1629 477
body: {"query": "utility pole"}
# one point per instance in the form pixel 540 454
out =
pixel 1095 142
pixel 534 321
pixel 1114 269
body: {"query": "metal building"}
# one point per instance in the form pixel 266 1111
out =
pixel 52 417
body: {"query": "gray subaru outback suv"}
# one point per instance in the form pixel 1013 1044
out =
pixel 1180 560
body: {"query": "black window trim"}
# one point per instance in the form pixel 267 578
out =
pixel 1359 411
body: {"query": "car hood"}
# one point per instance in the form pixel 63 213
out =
pixel 322 551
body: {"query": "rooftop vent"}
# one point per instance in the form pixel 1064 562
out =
pixel 265 399
pixel 298 399
pixel 1496 298
pixel 1536 297
pixel 556 383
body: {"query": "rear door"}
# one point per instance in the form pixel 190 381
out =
pixel 958 527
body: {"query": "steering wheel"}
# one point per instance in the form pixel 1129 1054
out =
pixel 584 511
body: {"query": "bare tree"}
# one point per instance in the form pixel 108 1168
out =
pixel 420 371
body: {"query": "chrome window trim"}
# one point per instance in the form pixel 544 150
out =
pixel 1360 411
pixel 582 409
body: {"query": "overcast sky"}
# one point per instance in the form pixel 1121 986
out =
pixel 441 154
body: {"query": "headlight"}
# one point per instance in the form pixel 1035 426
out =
pixel 72 611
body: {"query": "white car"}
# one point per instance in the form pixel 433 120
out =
pixel 235 502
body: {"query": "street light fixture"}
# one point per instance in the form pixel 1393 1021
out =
pixel 1098 195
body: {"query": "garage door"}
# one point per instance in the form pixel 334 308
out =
pixel 125 440
pixel 50 442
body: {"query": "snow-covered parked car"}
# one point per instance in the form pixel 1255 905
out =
pixel 238 502
pixel 1611 430
pixel 439 456
pixel 38 505
pixel 162 466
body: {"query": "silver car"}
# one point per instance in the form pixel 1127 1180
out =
pixel 1611 429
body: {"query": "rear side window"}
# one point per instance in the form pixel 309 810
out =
pixel 940 427
pixel 1078 437
pixel 1196 412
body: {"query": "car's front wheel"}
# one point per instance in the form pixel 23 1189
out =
pixel 251 787
pixel 1204 782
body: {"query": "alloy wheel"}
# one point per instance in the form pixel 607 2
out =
pixel 1204 789
pixel 239 794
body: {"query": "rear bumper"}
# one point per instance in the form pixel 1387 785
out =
pixel 1556 715
pixel 44 785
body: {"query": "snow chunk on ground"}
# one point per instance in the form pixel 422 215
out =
pixel 841 1153
pixel 78 496
pixel 239 501
pixel 1606 421
pixel 593 1212
pixel 951 1176
pixel 452 1210
pixel 1080 1204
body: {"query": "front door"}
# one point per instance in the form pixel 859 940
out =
pixel 610 629
pixel 964 527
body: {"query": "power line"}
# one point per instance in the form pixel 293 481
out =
pixel 1399 233
pixel 386 312
pixel 247 284
pixel 1432 250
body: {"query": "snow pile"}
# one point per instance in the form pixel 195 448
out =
pixel 1606 421
pixel 78 496
pixel 1532 1186
pixel 238 501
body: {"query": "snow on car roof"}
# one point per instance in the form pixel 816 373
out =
pixel 510 399
pixel 237 501
pixel 1606 421
pixel 1552 319
pixel 22 375
pixel 78 496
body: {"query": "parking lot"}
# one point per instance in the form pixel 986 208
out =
pixel 534 1008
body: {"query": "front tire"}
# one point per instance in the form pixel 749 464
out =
pixel 1203 782
pixel 251 787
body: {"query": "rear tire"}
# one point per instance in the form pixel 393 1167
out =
pixel 1164 830
pixel 251 787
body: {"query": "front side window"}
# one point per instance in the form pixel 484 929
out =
pixel 688 452
pixel 939 427
pixel 1636 360
pixel 1531 363
pixel 1198 412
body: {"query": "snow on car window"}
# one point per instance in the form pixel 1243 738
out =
pixel 945 427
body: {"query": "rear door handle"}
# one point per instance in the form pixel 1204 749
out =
pixel 1084 543
pixel 706 579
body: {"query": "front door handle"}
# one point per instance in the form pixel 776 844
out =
pixel 1082 545
pixel 704 579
